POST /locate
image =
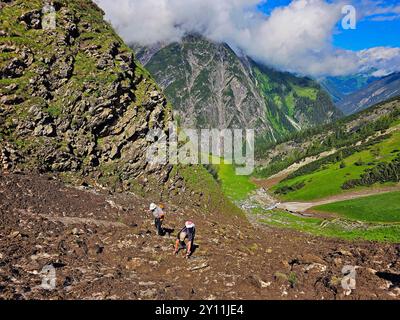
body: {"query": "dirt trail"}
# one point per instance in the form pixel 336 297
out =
pixel 104 246
pixel 304 206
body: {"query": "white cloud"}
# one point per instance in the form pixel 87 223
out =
pixel 151 21
pixel 377 10
pixel 295 38
pixel 385 60
pixel 390 17
pixel 298 38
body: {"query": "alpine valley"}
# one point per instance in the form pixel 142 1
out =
pixel 77 105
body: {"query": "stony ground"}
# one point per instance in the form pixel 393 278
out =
pixel 103 246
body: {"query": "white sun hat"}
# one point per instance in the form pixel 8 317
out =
pixel 153 206
pixel 189 224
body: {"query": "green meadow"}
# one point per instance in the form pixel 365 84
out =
pixel 336 228
pixel 236 187
pixel 379 208
pixel 328 180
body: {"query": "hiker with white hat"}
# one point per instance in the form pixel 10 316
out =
pixel 188 232
pixel 159 216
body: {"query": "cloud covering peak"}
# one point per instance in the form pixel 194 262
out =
pixel 296 38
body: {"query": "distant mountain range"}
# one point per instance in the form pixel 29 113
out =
pixel 357 92
pixel 341 86
pixel 209 85
pixel 377 91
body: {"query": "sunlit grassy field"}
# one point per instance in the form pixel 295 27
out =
pixel 378 208
pixel 328 181
pixel 336 228
pixel 236 187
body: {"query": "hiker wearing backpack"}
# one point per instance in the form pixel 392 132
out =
pixel 188 232
pixel 159 216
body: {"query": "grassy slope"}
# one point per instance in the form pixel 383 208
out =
pixel 306 92
pixel 234 186
pixel 199 180
pixel 357 219
pixel 379 208
pixel 337 228
pixel 278 89
pixel 238 187
pixel 328 182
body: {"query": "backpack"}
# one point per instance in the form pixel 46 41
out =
pixel 158 213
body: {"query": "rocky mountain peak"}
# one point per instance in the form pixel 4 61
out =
pixel 210 85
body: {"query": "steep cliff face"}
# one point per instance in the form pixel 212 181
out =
pixel 211 86
pixel 207 84
pixel 73 98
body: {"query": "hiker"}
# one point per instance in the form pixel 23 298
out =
pixel 188 232
pixel 159 216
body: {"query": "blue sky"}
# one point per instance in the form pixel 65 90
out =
pixel 369 33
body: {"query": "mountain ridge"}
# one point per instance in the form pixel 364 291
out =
pixel 379 90
pixel 239 91
pixel 341 86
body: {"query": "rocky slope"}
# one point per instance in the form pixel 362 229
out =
pixel 75 102
pixel 73 99
pixel 103 246
pixel 211 86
